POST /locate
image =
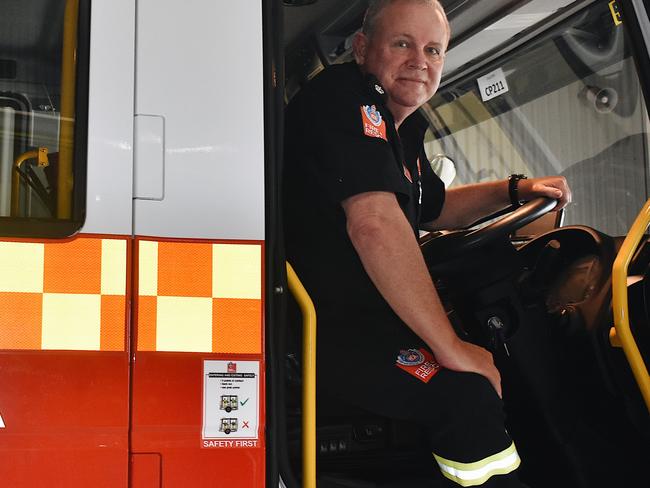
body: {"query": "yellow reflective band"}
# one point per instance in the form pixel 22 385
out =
pixel 477 473
pixel 184 324
pixel 113 276
pixel 237 271
pixel 22 267
pixel 148 269
pixel 199 297
pixel 71 322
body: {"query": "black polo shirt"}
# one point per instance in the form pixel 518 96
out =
pixel 340 141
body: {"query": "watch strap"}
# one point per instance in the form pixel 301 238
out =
pixel 513 188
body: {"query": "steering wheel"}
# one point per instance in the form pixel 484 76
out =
pixel 452 243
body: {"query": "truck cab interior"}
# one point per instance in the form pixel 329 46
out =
pixel 539 297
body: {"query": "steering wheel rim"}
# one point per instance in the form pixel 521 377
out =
pixel 454 243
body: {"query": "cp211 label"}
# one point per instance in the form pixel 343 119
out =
pixel 494 88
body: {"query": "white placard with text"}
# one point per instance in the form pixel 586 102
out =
pixel 230 402
pixel 492 85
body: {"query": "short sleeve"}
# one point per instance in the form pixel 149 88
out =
pixel 350 158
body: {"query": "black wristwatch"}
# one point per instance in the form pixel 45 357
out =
pixel 513 189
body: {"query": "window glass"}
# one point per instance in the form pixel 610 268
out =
pixel 568 103
pixel 42 86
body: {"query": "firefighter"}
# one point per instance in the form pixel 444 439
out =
pixel 355 170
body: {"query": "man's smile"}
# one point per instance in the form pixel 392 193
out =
pixel 411 80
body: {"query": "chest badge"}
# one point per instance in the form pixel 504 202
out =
pixel 374 124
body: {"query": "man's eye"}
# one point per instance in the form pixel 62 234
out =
pixel 433 51
pixel 401 44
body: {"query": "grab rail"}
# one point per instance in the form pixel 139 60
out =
pixel 40 155
pixel 620 302
pixel 308 378
pixel 68 84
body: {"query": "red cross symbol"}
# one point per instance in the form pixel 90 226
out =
pixel 245 426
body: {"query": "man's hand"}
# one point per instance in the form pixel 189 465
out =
pixel 547 186
pixel 467 357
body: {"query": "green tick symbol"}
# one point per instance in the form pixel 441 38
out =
pixel 243 402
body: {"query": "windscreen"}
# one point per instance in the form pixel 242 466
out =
pixel 568 102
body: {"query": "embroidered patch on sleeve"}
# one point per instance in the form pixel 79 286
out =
pixel 419 363
pixel 374 124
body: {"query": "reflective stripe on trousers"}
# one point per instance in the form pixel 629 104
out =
pixel 478 472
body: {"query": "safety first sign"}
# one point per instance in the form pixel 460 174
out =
pixel 230 403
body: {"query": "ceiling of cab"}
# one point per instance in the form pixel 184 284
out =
pixel 310 19
pixel 323 14
pixel 477 25
pixel 481 28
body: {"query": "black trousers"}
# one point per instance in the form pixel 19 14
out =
pixel 461 413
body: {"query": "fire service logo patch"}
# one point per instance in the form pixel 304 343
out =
pixel 374 124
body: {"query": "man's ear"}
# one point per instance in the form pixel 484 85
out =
pixel 359 45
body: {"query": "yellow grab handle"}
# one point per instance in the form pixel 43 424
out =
pixel 620 303
pixel 68 84
pixel 40 155
pixel 308 378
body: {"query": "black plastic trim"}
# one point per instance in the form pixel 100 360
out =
pixel 81 116
pixel 53 228
pixel 496 55
pixel 639 51
pixel 277 460
pixel 485 22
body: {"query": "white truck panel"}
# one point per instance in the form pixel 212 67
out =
pixel 199 67
pixel 148 136
pixel 109 207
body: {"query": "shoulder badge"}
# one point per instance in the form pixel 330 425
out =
pixel 374 124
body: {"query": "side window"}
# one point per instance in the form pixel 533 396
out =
pixel 43 106
pixel 567 103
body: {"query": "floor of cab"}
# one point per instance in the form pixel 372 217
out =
pixel 367 451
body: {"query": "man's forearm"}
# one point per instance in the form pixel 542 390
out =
pixel 469 203
pixel 390 255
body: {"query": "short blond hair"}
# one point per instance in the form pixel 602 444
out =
pixel 377 6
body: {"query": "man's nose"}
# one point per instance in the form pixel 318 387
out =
pixel 417 60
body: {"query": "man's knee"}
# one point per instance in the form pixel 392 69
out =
pixel 472 400
pixel 471 423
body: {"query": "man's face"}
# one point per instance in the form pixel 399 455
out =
pixel 405 52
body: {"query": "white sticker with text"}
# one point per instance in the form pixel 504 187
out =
pixel 492 85
pixel 230 403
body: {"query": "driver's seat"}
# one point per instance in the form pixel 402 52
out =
pixel 354 448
